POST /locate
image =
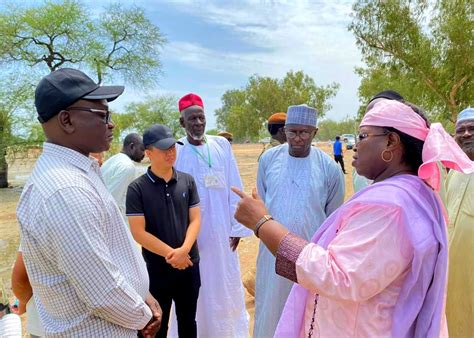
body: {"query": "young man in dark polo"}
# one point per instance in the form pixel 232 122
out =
pixel 164 215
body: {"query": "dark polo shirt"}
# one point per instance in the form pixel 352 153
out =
pixel 165 206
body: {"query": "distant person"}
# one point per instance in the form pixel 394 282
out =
pixel 338 153
pixel 209 159
pixel 87 275
pixel 120 170
pixel 301 186
pixel 460 205
pixel 164 216
pixel 228 136
pixel 275 126
pixel 360 182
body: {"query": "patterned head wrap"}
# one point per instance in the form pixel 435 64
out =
pixel 466 114
pixel 301 114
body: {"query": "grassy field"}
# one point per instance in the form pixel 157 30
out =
pixel 247 159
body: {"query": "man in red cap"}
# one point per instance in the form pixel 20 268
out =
pixel 209 159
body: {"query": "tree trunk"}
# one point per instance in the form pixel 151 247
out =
pixel 3 166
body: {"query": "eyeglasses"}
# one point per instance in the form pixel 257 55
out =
pixel 104 113
pixel 303 134
pixel 365 135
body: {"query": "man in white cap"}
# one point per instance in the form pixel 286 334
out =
pixel 301 186
pixel 460 205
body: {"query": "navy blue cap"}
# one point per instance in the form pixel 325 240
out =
pixel 159 136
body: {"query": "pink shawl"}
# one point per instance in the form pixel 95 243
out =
pixel 419 308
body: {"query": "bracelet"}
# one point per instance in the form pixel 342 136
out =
pixel 261 222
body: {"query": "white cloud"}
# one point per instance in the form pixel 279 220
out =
pixel 300 35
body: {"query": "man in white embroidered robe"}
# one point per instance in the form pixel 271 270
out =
pixel 301 186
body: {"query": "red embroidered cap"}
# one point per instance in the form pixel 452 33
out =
pixel 189 100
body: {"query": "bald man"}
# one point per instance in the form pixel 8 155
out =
pixel 120 170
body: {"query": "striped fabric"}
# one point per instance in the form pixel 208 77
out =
pixel 88 277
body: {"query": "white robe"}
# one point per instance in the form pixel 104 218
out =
pixel 299 193
pixel 221 305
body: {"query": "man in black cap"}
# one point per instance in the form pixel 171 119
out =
pixel 87 275
pixel 164 216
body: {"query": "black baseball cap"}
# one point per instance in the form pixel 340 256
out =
pixel 159 136
pixel 61 88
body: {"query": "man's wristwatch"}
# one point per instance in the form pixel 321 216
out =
pixel 261 222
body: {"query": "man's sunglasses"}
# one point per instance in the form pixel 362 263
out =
pixel 104 113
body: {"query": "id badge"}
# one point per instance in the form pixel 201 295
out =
pixel 215 179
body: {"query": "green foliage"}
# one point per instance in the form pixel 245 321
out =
pixel 14 100
pixel 139 116
pixel 423 49
pixel 328 129
pixel 212 131
pixel 51 34
pixel 245 111
pixel 120 42
pixel 127 43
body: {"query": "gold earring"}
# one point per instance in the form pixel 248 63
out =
pixel 383 158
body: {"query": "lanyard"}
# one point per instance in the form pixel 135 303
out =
pixel 208 161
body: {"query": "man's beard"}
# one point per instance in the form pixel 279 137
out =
pixel 469 150
pixel 195 137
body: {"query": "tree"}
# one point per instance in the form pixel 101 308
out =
pixel 245 111
pixel 423 49
pixel 139 116
pixel 122 41
pixel 35 40
pixel 328 129
pixel 14 98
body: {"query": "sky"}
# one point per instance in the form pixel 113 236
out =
pixel 213 46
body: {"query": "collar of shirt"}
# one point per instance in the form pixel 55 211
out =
pixel 154 178
pixel 71 156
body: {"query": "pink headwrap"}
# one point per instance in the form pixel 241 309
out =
pixel 439 145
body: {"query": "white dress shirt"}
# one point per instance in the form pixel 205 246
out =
pixel 88 277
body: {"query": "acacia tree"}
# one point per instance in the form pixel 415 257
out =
pixel 245 111
pixel 424 49
pixel 14 98
pixel 35 40
pixel 122 41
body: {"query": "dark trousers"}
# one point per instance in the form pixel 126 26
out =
pixel 182 287
pixel 340 160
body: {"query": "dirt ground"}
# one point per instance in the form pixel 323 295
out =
pixel 247 159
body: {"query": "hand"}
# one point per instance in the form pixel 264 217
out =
pixel 249 209
pixel 179 258
pixel 150 330
pixel 21 308
pixel 234 242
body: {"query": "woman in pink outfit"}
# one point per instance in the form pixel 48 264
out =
pixel 378 264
